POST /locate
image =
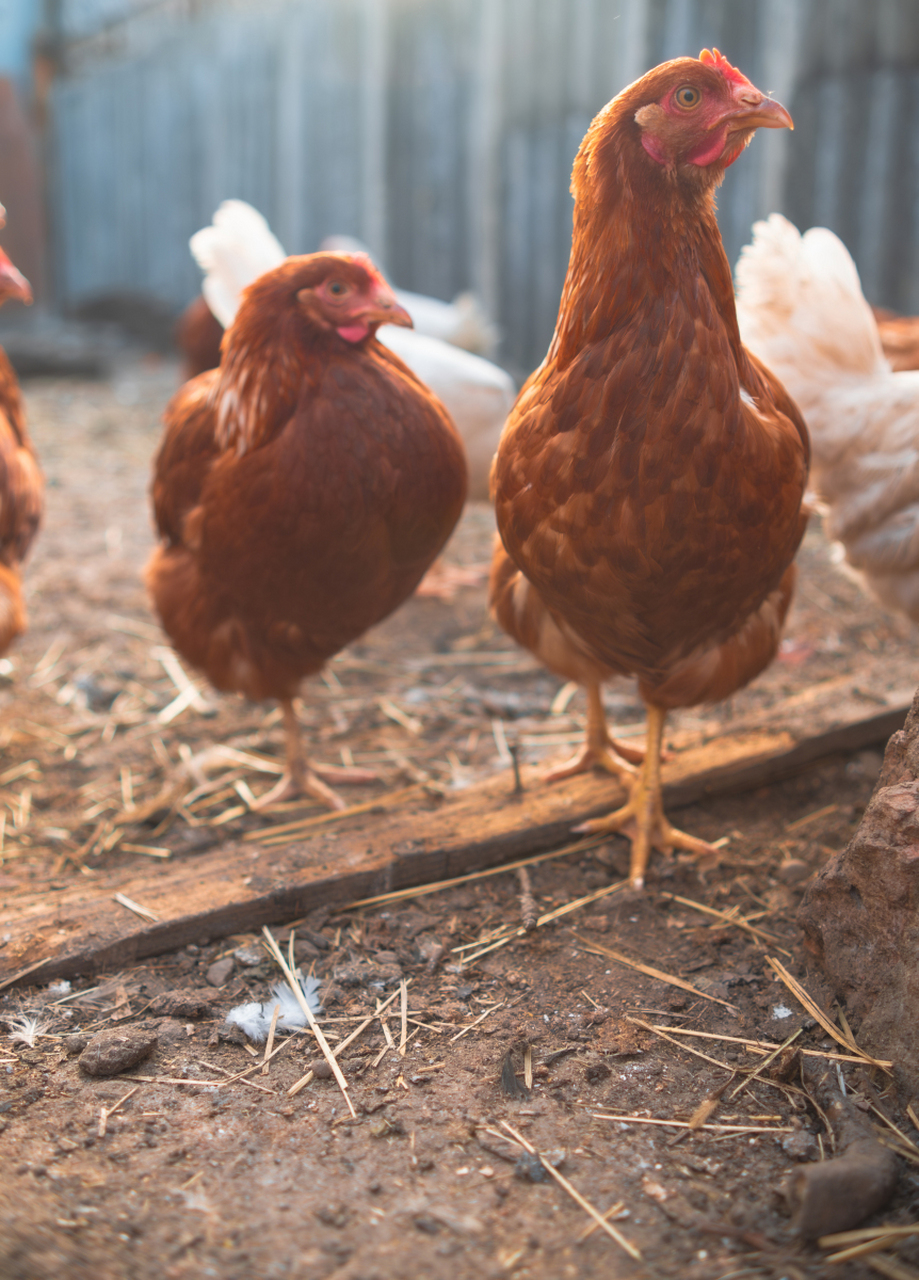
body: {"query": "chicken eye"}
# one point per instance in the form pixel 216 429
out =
pixel 688 97
pixel 338 289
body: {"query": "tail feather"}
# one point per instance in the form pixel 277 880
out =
pixel 800 303
pixel 234 250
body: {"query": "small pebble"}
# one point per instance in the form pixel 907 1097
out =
pixel 321 1069
pixel 75 1044
pixel 191 1005
pixel 109 1052
pixel 793 871
pixel 530 1169
pixel 220 972
pixel 801 1146
pixel 249 956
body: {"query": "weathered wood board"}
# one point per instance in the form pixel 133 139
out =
pixel 242 886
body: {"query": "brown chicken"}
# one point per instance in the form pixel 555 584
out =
pixel 198 334
pixel 648 483
pixel 301 491
pixel 21 484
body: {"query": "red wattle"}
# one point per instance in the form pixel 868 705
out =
pixel 709 151
pixel 353 332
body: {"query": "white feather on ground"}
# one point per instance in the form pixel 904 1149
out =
pixel 802 311
pixel 255 1018
pixel 239 246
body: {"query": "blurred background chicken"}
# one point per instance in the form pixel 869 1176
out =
pixel 899 338
pixel 21 483
pixel 648 484
pixel 301 491
pixel 802 311
pixel 239 246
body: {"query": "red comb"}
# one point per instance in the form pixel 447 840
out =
pixel 713 58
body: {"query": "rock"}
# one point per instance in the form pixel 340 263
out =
pixel 249 956
pixel 109 1052
pixel 801 1146
pixel 230 1033
pixel 529 1168
pixel 793 871
pixel 360 973
pixel 220 972
pixel 75 1044
pixel 190 1005
pixel 838 1194
pixel 860 915
pixel 304 950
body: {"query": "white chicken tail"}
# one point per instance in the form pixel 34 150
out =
pixel 236 249
pixel 800 302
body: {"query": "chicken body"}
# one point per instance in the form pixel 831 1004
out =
pixel 649 480
pixel 801 309
pixel 302 489
pixel 478 395
pixel 21 482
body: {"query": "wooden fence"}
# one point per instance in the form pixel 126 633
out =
pixel 442 133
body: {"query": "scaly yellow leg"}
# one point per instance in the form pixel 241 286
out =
pixel 642 817
pixel 600 751
pixel 300 778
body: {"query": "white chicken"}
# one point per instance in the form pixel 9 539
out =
pixel 239 246
pixel 801 310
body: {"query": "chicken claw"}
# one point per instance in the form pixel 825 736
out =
pixel 300 778
pixel 642 818
pixel 600 750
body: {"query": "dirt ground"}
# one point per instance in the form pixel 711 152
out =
pixel 178 1167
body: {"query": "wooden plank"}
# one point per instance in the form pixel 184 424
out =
pixel 242 886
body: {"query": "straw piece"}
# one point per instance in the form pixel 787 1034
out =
pixel 893 1268
pixel 727 918
pixel 554 915
pixel 817 1013
pixel 144 912
pixel 305 1080
pixel 650 971
pixel 396 714
pixel 437 886
pixel 862 1250
pixel 290 830
pixel 575 1195
pixel 761 1046
pixel 687 1124
pixel 310 1016
pixel 403 993
pixel 867 1233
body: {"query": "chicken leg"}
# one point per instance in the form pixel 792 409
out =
pixel 300 778
pixel 642 817
pixel 599 750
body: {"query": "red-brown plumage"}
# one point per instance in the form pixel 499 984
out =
pixel 198 334
pixel 21 483
pixel 303 488
pixel 649 479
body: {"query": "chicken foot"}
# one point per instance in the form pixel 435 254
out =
pixel 600 750
pixel 300 778
pixel 642 818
